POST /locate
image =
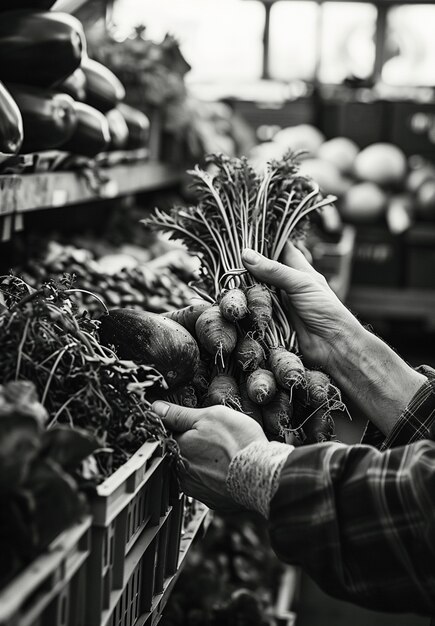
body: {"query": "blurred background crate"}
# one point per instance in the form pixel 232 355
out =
pixel 334 260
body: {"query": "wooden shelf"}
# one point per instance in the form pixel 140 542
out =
pixel 394 304
pixel 31 192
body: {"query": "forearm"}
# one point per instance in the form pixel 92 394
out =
pixel 358 521
pixel 373 376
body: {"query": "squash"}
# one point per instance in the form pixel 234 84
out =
pixel 11 125
pixel 91 135
pixel 339 151
pixel 303 137
pixel 364 202
pixel 74 85
pixel 38 48
pixel 381 163
pixel 138 126
pixel 49 119
pixel 35 5
pixel 103 89
pixel 118 129
pixel 326 176
pixel 152 339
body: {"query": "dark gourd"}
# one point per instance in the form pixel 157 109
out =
pixel 11 125
pixel 138 126
pixel 151 339
pixel 39 49
pixel 91 135
pixel 49 119
pixel 118 130
pixel 103 89
pixel 74 85
pixel 35 5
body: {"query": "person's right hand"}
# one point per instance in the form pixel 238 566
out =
pixel 322 323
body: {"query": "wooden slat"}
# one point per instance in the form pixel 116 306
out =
pixel 30 192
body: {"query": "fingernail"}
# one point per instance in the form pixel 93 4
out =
pixel 250 256
pixel 161 408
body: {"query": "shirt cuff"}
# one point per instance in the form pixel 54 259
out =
pixel 416 422
pixel 253 474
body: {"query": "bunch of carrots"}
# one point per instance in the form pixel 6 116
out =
pixel 249 351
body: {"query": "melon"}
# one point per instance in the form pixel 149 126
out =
pixel 326 175
pixel 303 137
pixel 364 202
pixel 381 163
pixel 339 151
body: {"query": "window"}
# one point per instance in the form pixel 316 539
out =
pixel 222 40
pixel 293 40
pixel 410 46
pixel 347 42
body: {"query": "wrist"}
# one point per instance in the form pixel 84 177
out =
pixel 253 474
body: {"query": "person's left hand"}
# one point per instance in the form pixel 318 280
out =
pixel 209 439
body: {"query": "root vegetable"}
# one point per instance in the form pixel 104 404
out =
pixel 233 305
pixel 320 427
pixel 223 389
pixel 186 396
pixel 151 339
pixel 248 406
pixel 188 316
pixel 261 386
pixel 215 333
pixel 287 368
pixel 249 353
pixel 201 378
pixel 277 414
pixel 260 307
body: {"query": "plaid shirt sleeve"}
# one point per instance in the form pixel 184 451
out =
pixel 416 422
pixel 361 522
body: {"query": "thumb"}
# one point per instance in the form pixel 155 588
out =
pixel 175 417
pixel 273 273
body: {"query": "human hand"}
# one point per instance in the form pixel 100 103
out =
pixel 209 439
pixel 322 323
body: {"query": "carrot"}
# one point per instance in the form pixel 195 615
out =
pixel 249 353
pixel 215 333
pixel 320 427
pixel 233 305
pixel 188 316
pixel 287 368
pixel 261 386
pixel 248 407
pixel 319 388
pixel 260 307
pixel 277 414
pixel 223 389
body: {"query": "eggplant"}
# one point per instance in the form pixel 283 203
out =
pixel 74 85
pixel 49 118
pixel 35 5
pixel 38 48
pixel 138 126
pixel 11 125
pixel 118 130
pixel 92 134
pixel 103 89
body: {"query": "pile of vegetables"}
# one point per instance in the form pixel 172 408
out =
pixel 117 277
pixel 80 383
pixel 53 96
pixel 376 184
pixel 247 348
pixel 38 489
